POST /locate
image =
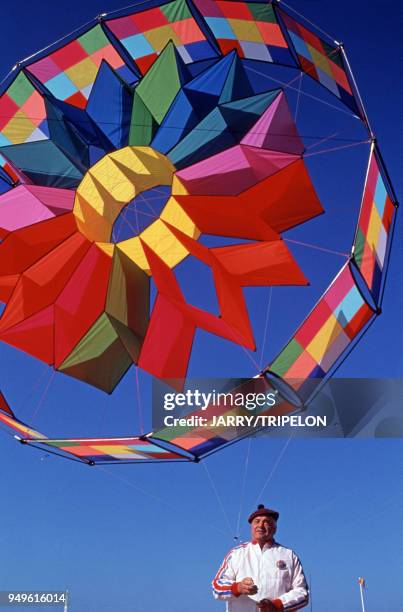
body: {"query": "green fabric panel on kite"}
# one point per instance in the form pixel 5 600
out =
pixel 164 77
pixel 287 357
pixel 128 294
pixel 20 89
pixel 59 443
pixel 94 40
pixel 100 358
pixel 143 126
pixel 333 54
pixel 176 11
pixel 131 341
pixel 359 247
pixel 262 12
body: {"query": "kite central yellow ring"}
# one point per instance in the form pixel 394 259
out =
pixel 113 182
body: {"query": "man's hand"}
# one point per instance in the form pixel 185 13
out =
pixel 265 605
pixel 247 587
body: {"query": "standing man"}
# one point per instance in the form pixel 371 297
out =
pixel 261 575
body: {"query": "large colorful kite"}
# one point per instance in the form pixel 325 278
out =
pixel 123 151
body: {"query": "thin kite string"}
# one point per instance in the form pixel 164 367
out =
pixel 326 139
pixel 301 76
pixel 316 247
pixel 243 486
pixel 53 44
pixel 139 404
pixel 303 93
pixel 276 464
pixel 147 203
pixel 162 501
pixel 44 394
pixel 310 22
pixel 35 386
pixel 9 73
pixel 252 359
pixel 266 325
pixel 332 149
pixel 219 500
pixel 207 130
pixel 125 8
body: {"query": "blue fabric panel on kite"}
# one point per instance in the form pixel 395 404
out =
pixel 310 384
pixel 206 89
pixel 127 75
pixel 180 119
pixel 111 97
pixel 4 184
pixel 228 81
pixel 237 84
pixel 210 136
pixel 65 135
pixel 377 282
pixel 224 127
pixel 95 154
pixel 45 164
pixel 208 446
pixel 183 70
pixel 247 110
pixel 199 67
pixel 88 130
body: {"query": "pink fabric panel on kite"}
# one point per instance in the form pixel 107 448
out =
pixel 233 171
pixel 26 205
pixel 276 130
pixel 57 200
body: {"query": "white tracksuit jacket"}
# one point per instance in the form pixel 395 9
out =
pixel 276 571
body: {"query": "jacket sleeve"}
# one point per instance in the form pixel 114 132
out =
pixel 224 583
pixel 298 596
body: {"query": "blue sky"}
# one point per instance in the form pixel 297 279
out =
pixel 137 538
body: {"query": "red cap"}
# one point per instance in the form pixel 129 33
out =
pixel 262 511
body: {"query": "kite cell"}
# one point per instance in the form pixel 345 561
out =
pixel 157 173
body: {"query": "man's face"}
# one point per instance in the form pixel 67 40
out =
pixel 263 529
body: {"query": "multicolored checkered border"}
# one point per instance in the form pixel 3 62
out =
pixel 70 72
pixel 110 450
pixel 26 432
pixel 202 440
pixel 22 114
pixel 145 33
pixel 320 60
pixel 250 28
pixel 336 320
pixel 374 228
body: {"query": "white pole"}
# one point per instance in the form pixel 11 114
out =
pixel 362 596
pixel 66 602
